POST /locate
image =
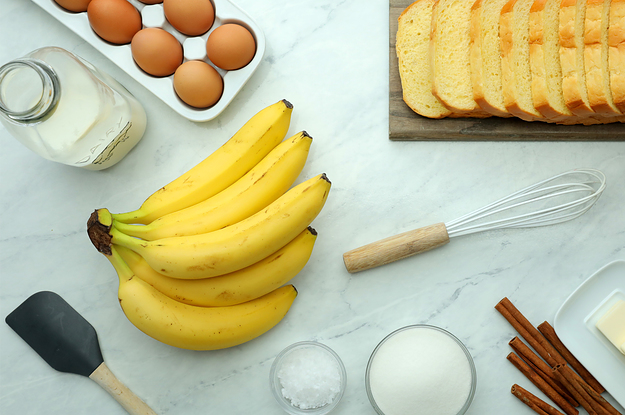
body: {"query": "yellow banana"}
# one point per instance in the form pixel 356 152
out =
pixel 267 181
pixel 236 246
pixel 235 288
pixel 197 328
pixel 226 165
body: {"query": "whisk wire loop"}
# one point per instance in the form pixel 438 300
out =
pixel 475 215
pixel 562 208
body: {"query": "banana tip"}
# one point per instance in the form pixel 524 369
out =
pixel 312 230
pixel 288 104
pixel 325 177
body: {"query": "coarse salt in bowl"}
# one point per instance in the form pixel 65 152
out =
pixel 420 369
pixel 308 378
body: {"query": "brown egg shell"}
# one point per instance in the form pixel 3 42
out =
pixel 76 6
pixel 231 46
pixel 115 21
pixel 190 17
pixel 198 84
pixel 156 51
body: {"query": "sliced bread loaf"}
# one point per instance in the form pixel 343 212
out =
pixel 413 51
pixel 450 56
pixel 515 60
pixel 486 56
pixel 571 31
pixel 596 58
pixel 545 60
pixel 616 53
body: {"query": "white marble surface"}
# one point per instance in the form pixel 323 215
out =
pixel 330 59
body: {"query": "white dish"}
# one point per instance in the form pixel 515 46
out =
pixel 575 325
pixel 194 48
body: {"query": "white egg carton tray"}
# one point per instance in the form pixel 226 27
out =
pixel 194 49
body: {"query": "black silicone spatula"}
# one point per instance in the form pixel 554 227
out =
pixel 64 339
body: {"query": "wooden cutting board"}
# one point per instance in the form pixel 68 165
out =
pixel 405 124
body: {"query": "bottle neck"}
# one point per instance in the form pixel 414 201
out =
pixel 29 90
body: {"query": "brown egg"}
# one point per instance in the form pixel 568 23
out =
pixel 74 5
pixel 190 17
pixel 115 21
pixel 156 51
pixel 198 84
pixel 230 46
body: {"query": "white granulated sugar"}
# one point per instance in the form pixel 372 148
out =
pixel 310 378
pixel 421 370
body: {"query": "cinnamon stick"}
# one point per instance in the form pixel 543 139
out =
pixel 538 405
pixel 550 334
pixel 541 368
pixel 600 399
pixel 529 332
pixel 542 385
pixel 606 406
pixel 577 391
pixel 517 326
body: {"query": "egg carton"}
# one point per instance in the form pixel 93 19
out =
pixel 194 49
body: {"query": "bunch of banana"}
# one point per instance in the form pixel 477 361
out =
pixel 203 263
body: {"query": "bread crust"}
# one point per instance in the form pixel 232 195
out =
pixel 544 45
pixel 484 71
pixel 572 15
pixel 537 60
pixel 505 36
pixel 512 69
pixel 596 58
pixel 616 53
pixel 477 79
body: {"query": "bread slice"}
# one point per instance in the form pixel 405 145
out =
pixel 596 58
pixel 515 60
pixel 616 53
pixel 450 56
pixel 544 41
pixel 571 31
pixel 413 50
pixel 486 56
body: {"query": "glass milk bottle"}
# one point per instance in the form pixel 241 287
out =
pixel 66 110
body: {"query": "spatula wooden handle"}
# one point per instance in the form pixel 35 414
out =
pixel 131 402
pixel 396 247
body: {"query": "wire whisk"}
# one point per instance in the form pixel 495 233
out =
pixel 558 199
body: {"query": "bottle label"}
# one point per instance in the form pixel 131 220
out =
pixel 97 157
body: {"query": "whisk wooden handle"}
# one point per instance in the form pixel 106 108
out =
pixel 396 247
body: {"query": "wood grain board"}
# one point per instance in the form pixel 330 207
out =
pixel 405 124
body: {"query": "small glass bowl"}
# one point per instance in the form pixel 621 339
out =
pixel 276 386
pixel 469 400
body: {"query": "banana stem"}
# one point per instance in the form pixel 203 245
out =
pixel 136 216
pixel 135 230
pixel 123 270
pixel 120 238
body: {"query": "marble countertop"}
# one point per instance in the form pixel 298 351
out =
pixel 330 59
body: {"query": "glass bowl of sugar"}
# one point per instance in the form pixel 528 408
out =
pixel 420 369
pixel 308 378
